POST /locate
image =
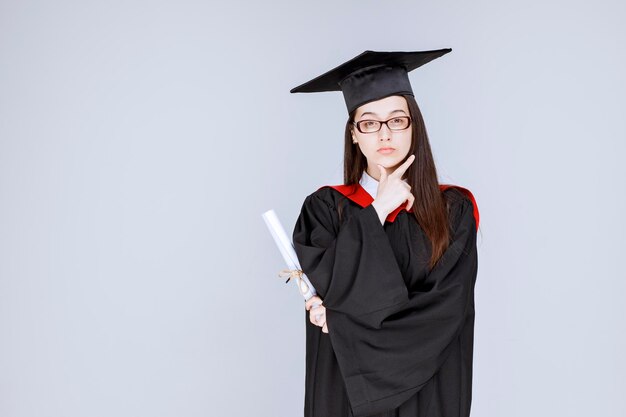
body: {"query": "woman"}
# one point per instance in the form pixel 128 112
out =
pixel 392 255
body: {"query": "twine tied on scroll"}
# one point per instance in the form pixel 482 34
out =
pixel 297 274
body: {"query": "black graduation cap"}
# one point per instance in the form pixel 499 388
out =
pixel 371 76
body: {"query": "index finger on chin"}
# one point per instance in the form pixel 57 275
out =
pixel 402 168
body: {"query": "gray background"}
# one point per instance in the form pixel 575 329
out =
pixel 141 141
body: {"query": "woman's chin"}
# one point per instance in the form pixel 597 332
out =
pixel 389 162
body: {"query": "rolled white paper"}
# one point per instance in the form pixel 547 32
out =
pixel 289 254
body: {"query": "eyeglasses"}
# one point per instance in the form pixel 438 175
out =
pixel 371 126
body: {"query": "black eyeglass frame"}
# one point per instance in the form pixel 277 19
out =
pixel 383 123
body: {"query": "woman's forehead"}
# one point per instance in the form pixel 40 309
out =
pixel 384 106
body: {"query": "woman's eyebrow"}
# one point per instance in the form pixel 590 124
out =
pixel 395 111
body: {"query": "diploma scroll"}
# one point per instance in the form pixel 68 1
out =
pixel 289 255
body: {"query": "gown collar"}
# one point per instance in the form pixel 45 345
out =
pixel 362 193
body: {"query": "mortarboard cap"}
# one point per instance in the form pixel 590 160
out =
pixel 371 76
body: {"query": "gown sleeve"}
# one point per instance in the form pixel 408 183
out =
pixel 352 267
pixel 389 342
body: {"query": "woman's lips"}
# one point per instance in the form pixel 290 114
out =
pixel 386 151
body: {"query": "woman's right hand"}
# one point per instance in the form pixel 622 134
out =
pixel 314 311
pixel 392 190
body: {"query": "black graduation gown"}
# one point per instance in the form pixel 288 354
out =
pixel 400 337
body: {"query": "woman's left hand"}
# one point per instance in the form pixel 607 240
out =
pixel 314 311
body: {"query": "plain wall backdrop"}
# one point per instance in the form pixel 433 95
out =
pixel 140 142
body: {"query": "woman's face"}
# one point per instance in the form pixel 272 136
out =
pixel 386 147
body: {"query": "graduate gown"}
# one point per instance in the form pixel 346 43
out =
pixel 400 336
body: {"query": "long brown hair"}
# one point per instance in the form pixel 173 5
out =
pixel 430 208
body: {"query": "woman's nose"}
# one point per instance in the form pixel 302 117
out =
pixel 384 133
